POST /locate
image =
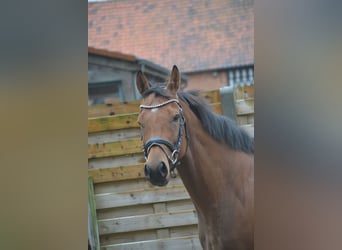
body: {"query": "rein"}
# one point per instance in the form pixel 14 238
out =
pixel 158 141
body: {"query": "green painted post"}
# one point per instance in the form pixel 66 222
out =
pixel 93 232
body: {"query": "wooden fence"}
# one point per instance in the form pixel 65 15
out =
pixel 127 212
pixel 244 104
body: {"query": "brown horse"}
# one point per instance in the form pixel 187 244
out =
pixel 213 156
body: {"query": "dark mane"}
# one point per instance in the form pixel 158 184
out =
pixel 221 128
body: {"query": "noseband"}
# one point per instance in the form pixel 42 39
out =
pixel 158 141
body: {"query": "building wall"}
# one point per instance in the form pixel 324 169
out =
pixel 100 71
pixel 104 70
pixel 210 80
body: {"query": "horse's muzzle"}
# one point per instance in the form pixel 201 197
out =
pixel 157 175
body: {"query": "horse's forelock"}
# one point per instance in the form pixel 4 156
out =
pixel 158 91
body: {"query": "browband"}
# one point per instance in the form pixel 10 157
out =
pixel 159 105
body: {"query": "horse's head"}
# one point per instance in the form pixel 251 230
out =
pixel 161 121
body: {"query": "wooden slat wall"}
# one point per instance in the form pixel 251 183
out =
pixel 244 104
pixel 113 109
pixel 130 212
pixel 133 107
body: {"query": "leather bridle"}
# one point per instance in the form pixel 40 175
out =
pixel 158 141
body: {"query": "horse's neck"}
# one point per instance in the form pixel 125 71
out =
pixel 208 169
pixel 195 169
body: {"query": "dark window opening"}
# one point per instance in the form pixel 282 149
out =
pixel 105 92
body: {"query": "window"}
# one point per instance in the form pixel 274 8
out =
pixel 241 76
pixel 100 92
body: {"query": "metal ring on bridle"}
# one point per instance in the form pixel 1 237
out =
pixel 174 157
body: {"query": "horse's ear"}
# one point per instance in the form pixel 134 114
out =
pixel 142 82
pixel 174 81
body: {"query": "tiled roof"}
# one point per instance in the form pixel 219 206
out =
pixel 147 65
pixel 111 54
pixel 195 35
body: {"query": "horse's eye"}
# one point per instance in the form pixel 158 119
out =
pixel 176 118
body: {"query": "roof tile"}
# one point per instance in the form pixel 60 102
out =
pixel 195 35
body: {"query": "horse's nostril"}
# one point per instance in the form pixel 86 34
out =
pixel 147 171
pixel 162 169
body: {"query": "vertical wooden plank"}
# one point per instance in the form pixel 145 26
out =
pixel 250 119
pixel 159 207
pixel 165 232
pixel 244 92
pixel 242 120
pixel 94 239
